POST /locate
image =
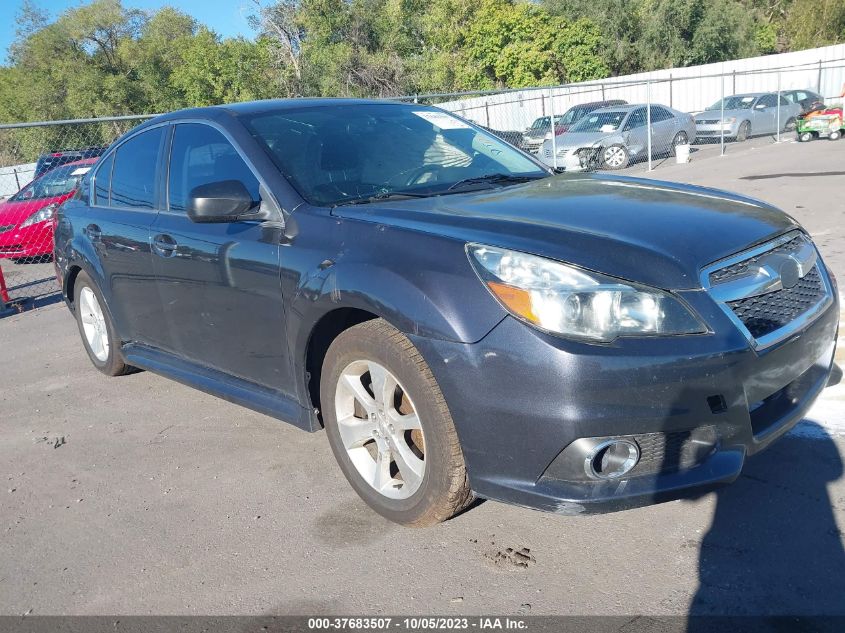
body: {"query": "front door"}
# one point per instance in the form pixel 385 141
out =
pixel 220 283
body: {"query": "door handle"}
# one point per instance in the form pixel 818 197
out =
pixel 164 245
pixel 94 232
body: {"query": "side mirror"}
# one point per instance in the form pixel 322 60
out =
pixel 224 201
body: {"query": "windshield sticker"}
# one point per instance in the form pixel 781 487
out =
pixel 747 99
pixel 609 127
pixel 80 171
pixel 442 120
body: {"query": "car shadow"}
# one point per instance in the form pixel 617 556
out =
pixel 773 556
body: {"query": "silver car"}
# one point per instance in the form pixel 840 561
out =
pixel 747 114
pixel 617 135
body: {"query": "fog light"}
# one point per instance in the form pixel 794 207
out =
pixel 612 459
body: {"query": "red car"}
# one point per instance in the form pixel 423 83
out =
pixel 26 227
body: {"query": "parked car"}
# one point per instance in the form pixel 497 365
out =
pixel 540 129
pixel 538 132
pixel 514 137
pixel 26 218
pixel 746 115
pixel 618 135
pixel 51 160
pixel 805 98
pixel 578 112
pixel 458 319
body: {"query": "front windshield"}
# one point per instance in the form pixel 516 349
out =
pixel 737 102
pixel 600 122
pixel 333 154
pixel 56 182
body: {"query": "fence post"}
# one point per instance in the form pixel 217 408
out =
pixel 602 93
pixel 777 115
pixel 648 119
pixel 487 113
pixel 819 82
pixel 4 292
pixel 722 118
pixel 552 127
pixel 734 84
pixel 543 104
pixel 17 179
pixel 671 105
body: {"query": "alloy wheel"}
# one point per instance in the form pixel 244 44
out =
pixel 94 324
pixel 380 429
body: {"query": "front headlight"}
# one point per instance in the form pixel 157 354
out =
pixel 42 215
pixel 729 120
pixel 578 303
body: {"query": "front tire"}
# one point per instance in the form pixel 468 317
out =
pixel 835 135
pixel 805 137
pixel 615 157
pixel 389 427
pixel 743 132
pixel 96 328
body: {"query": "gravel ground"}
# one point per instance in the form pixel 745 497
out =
pixel 136 495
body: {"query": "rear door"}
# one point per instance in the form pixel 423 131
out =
pixel 220 283
pixel 124 200
pixel 664 127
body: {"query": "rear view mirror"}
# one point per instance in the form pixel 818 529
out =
pixel 223 201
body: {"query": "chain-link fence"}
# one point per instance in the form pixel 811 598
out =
pixel 695 109
pixel 645 117
pixel 40 167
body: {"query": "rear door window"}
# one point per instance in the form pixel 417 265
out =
pixel 133 180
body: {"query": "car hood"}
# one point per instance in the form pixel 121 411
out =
pixel 653 232
pixel 17 212
pixel 581 139
pixel 716 114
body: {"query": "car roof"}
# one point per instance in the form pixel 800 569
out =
pixel 630 106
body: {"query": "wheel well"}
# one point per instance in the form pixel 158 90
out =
pixel 71 280
pixel 328 328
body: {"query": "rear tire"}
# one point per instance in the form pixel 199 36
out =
pixel 389 427
pixel 96 328
pixel 835 135
pixel 790 125
pixel 681 138
pixel 805 136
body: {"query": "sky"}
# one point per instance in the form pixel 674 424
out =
pixel 226 17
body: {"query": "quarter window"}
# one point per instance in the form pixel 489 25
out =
pixel 103 181
pixel 201 155
pixel 134 175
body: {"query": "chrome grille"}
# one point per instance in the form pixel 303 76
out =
pixel 771 290
pixel 740 268
pixel 766 313
pixel 707 121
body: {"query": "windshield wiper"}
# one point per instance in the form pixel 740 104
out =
pixel 381 196
pixel 493 179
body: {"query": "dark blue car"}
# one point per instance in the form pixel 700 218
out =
pixel 461 321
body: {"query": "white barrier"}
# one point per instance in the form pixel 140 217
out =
pixel 13 178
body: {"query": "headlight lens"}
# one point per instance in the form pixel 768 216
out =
pixel 576 303
pixel 729 120
pixel 42 215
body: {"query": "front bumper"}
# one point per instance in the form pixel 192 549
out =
pixel 520 398
pixel 32 241
pixel 715 130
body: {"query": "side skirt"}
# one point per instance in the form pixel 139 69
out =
pixel 222 385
